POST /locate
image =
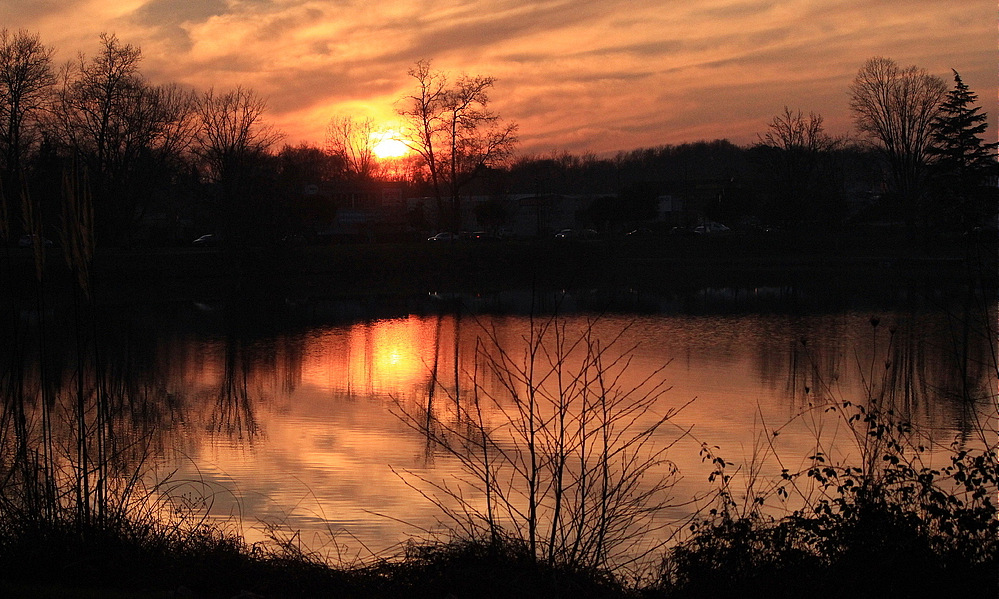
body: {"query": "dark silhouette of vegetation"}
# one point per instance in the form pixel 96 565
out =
pixel 801 174
pixel 886 521
pixel 895 107
pixel 890 525
pixel 962 164
pixel 26 81
pixel 128 136
pixel 349 140
pixel 165 164
pixel 575 471
pixel 455 133
pixel 232 144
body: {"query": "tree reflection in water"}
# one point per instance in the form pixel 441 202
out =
pixel 312 397
pixel 233 409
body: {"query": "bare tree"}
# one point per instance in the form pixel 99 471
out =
pixel 896 108
pixel 232 141
pixel 452 129
pixel 177 120
pixel 350 140
pixel 232 132
pixel 796 150
pixel 793 131
pixel 98 102
pixel 126 132
pixel 422 111
pixel 26 83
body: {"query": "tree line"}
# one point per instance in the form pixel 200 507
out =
pixel 919 160
pixel 97 130
pixel 97 136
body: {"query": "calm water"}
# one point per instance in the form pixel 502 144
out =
pixel 296 422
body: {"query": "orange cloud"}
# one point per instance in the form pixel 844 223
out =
pixel 575 74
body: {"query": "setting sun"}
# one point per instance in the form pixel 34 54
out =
pixel 387 144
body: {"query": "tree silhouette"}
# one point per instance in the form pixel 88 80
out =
pixel 896 108
pixel 26 82
pixel 796 152
pixel 232 143
pixel 962 161
pixel 98 111
pixel 452 129
pixel 349 139
pixel 124 130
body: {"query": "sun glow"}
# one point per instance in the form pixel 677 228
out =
pixel 388 144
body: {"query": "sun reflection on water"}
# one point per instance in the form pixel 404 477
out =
pixel 392 357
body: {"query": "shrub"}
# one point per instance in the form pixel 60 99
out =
pixel 562 459
pixel 884 523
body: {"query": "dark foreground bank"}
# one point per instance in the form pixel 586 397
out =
pixel 741 559
pixel 887 528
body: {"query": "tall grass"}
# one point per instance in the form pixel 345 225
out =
pixel 71 459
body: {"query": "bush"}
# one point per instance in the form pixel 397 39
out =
pixel 888 527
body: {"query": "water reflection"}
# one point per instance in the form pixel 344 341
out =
pixel 298 425
pixel 386 357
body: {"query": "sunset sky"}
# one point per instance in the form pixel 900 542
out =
pixel 576 75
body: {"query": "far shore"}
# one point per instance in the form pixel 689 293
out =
pixel 647 264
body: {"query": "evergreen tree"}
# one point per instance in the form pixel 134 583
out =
pixel 962 163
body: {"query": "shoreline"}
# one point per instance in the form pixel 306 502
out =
pixel 662 265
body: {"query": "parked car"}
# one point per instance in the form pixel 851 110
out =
pixel 482 236
pixel 27 241
pixel 711 227
pixel 208 241
pixel 576 234
pixel 445 236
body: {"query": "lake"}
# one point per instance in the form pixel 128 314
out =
pixel 309 415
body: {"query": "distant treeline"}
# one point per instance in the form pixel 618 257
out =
pixel 727 183
pixel 93 154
